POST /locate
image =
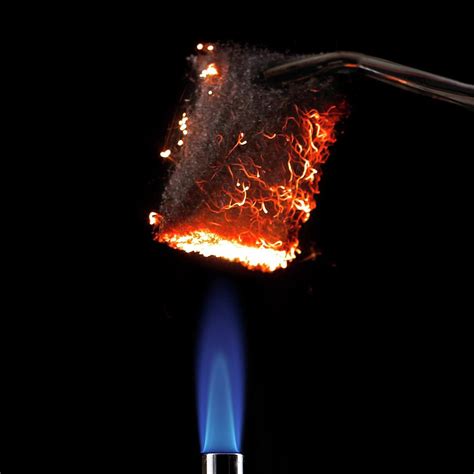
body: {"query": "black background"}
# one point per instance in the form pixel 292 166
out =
pixel 347 355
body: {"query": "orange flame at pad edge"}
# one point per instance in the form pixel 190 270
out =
pixel 262 256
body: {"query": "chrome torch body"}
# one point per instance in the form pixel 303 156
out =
pixel 222 463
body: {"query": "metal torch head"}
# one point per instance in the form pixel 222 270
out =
pixel 222 463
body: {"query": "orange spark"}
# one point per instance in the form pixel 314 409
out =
pixel 211 70
pixel 154 218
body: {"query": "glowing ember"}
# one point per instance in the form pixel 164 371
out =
pixel 246 181
pixel 261 256
pixel 211 70
pixel 154 218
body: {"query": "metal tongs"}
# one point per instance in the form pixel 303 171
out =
pixel 398 75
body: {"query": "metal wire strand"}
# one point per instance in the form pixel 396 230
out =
pixel 398 75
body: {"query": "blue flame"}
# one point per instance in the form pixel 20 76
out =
pixel 220 374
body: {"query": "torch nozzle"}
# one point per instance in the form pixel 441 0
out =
pixel 222 463
pixel 398 75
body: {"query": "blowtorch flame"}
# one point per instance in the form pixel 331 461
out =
pixel 220 373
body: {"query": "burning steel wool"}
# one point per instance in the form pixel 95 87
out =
pixel 246 159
